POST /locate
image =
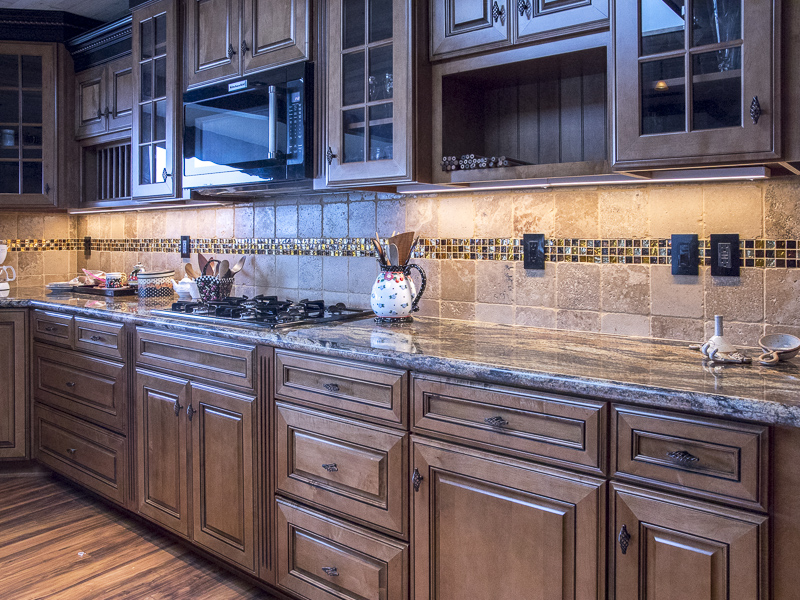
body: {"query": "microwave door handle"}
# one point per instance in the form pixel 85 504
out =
pixel 273 122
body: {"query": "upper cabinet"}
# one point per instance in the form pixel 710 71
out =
pixel 104 99
pixel 228 38
pixel 466 26
pixel 695 83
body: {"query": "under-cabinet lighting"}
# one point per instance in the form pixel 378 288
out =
pixel 139 208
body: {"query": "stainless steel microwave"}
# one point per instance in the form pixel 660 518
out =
pixel 250 135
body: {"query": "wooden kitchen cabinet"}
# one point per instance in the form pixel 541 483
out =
pixel 699 88
pixel 228 38
pixel 13 392
pixel 492 527
pixel 670 547
pixel 104 99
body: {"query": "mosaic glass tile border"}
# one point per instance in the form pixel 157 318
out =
pixel 652 251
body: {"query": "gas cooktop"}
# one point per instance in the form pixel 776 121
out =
pixel 261 311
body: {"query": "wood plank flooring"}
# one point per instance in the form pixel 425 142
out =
pixel 58 543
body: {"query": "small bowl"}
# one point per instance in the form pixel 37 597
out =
pixel 778 347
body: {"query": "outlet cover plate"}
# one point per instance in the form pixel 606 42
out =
pixel 533 251
pixel 186 246
pixel 685 255
pixel 725 255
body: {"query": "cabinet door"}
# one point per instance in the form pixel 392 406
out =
pixel 274 32
pixel 119 94
pixel 90 92
pixel 542 19
pixel 212 42
pixel 223 430
pixel 13 443
pixel 162 487
pixel 694 84
pixel 369 78
pixel 155 137
pixel 491 527
pixel 464 26
pixel 27 124
pixel 669 548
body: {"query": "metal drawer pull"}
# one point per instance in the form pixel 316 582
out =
pixel 416 479
pixel 231 51
pixel 331 571
pixel 51 329
pixel 331 387
pixel 523 6
pixel 683 458
pixel 330 468
pixel 96 338
pixel 755 110
pixel 329 156
pixel 190 412
pixel 495 421
pixel 498 13
pixel 71 384
pixel 177 408
pixel 624 539
pixel 71 450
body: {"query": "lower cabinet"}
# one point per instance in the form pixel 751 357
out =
pixel 486 526
pixel 671 547
pixel 197 466
pixel 13 396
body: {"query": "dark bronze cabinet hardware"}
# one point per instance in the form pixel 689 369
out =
pixel 244 47
pixel 755 110
pixel 683 458
pixel 624 539
pixel 331 571
pixel 96 338
pixel 231 51
pixel 329 155
pixel 498 13
pixel 523 6
pixel 416 479
pixel 177 408
pixel 164 174
pixel 72 450
pixel 47 188
pixel 70 384
pixel 190 412
pixel 331 387
pixel 51 329
pixel 495 421
pixel 330 467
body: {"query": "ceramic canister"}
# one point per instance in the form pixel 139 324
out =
pixel 394 295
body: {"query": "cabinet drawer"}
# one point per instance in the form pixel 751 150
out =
pixel 86 454
pixel 352 469
pixel 321 558
pixel 213 360
pixel 702 456
pixel 92 388
pixel 98 337
pixel 52 327
pixel 368 392
pixel 552 428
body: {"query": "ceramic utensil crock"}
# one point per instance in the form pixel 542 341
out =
pixel 394 295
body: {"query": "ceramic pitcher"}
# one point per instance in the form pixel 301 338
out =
pixel 394 295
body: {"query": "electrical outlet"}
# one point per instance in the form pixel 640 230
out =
pixel 186 246
pixel 725 255
pixel 533 251
pixel 685 257
pixel 87 247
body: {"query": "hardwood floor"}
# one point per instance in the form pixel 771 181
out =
pixel 58 543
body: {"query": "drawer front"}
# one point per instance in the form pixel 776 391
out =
pixel 107 339
pixel 552 428
pixel 321 558
pixel 698 455
pixel 217 361
pixel 352 469
pixel 368 392
pixel 92 388
pixel 52 327
pixel 86 454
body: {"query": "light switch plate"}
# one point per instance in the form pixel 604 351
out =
pixel 533 251
pixel 725 255
pixel 685 256
pixel 186 246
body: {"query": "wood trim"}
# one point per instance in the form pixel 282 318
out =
pixel 14 398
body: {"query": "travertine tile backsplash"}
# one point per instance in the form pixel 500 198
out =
pixel 630 299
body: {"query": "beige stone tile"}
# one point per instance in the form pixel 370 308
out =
pixel 132 224
pixel 310 275
pixel 578 286
pixel 334 220
pixel 533 287
pixel 243 290
pixel 422 216
pixel 309 221
pixel 534 212
pixel 247 276
pixel 494 216
pixel 494 313
pixel 578 320
pixel 158 223
pixel 286 221
pixel 224 222
pixel 577 214
pixel 30 227
pixel 733 208
pixel 462 311
pixel 428 308
pixel 29 281
pixel 56 262
pixel 675 209
pixel 335 273
pixel 456 216
pixel 30 264
pixel 363 272
pixel 362 219
pixel 782 209
pixel 739 334
pixel 264 221
pixel 790 329
pixel 331 297
pixel 56 226
pixel 625 324
pixel 144 224
pixel 494 281
pixel 782 289
pixel 676 295
pixel 676 328
pixel 432 268
pixel 243 222
pixel 358 301
pixel 287 271
pixel 458 280
pixel 8 226
pixel 624 213
pixel 206 223
pixel 265 270
pixel 736 298
pixel 529 316
pixel 626 289
pixel 391 216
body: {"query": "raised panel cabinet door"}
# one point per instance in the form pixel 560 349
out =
pixel 464 26
pixel 90 90
pixel 541 19
pixel 670 548
pixel 274 32
pixel 223 492
pixel 13 441
pixel 161 438
pixel 212 45
pixel 492 527
pixel 119 97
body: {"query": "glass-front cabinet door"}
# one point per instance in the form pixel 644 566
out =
pixel 368 92
pixel 154 138
pixel 27 124
pixel 695 81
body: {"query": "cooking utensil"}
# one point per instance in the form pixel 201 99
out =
pixel 394 258
pixel 778 347
pixel 222 270
pixel 403 243
pixel 189 269
pixel 236 268
pixel 202 261
pixel 379 250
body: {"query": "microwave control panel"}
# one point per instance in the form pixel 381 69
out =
pixel 295 123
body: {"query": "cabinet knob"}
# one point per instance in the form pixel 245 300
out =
pixel 624 539
pixel 683 458
pixel 244 47
pixel 330 468
pixel 177 408
pixel 96 338
pixel 331 387
pixel 231 51
pixel 70 384
pixel 755 110
pixel 416 479
pixel 498 13
pixel 331 571
pixel 495 421
pixel 330 155
pixel 190 412
pixel 523 6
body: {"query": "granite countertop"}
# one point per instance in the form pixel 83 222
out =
pixel 635 370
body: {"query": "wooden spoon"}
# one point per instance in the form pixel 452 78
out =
pixel 403 241
pixel 223 268
pixel 201 262
pixel 190 270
